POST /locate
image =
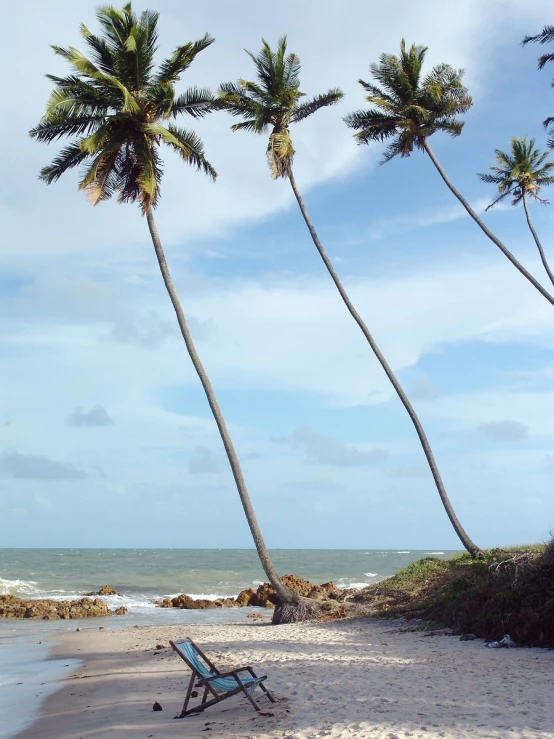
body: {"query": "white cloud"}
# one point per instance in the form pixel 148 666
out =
pixel 423 390
pixel 96 416
pixel 38 467
pixel 328 450
pixel 203 462
pixel 504 430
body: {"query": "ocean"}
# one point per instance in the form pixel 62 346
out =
pixel 144 575
pixel 28 676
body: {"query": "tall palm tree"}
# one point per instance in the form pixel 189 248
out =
pixel 117 109
pixel 275 102
pixel 521 173
pixel 409 108
pixel 544 37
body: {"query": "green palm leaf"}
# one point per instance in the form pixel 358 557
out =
pixel 520 172
pixel 273 100
pixel 407 106
pixel 112 106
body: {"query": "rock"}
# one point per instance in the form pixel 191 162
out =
pixel 104 590
pixel 49 610
pixel 265 596
pixel 107 590
pixel 244 597
pixel 467 637
pixel 225 602
pixel 161 646
pixel 255 615
pixel 156 707
pixel 191 604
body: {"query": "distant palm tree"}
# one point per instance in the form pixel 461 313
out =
pixel 544 37
pixel 274 102
pixel 409 108
pixel 521 173
pixel 117 108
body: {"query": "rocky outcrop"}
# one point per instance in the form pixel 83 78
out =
pixel 104 590
pixel 49 610
pixel 263 597
pixel 266 597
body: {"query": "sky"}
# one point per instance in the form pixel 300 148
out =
pixel 106 438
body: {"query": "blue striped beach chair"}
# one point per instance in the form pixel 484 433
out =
pixel 220 685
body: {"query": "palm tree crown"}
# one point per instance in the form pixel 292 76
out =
pixel 545 37
pixel 113 106
pixel 273 100
pixel 408 108
pixel 520 172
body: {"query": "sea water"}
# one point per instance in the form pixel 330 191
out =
pixel 140 576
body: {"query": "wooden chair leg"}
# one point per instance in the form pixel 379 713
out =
pixel 187 698
pixel 266 691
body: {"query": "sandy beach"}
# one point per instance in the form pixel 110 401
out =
pixel 364 678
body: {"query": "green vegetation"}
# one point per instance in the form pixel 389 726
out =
pixel 509 591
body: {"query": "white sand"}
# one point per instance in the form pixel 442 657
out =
pixel 337 680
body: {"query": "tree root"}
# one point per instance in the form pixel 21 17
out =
pixel 299 609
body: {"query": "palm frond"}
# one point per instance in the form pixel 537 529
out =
pixel 67 159
pixel 310 107
pixel 48 130
pixel 196 102
pixel 112 105
pixel 171 69
pixel 407 108
pixel 191 149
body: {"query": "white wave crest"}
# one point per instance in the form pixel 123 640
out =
pixel 371 574
pixel 402 552
pixel 18 587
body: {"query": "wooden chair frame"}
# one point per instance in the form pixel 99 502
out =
pixel 198 681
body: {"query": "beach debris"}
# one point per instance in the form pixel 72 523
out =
pixel 255 615
pixel 78 628
pixel 156 707
pixel 194 694
pixel 161 646
pixel 505 642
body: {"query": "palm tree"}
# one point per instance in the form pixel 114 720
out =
pixel 521 173
pixel 117 110
pixel 275 102
pixel 409 108
pixel 544 37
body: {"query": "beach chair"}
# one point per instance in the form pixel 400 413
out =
pixel 220 685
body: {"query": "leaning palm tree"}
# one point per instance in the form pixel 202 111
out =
pixel 118 110
pixel 520 174
pixel 409 108
pixel 275 102
pixel 544 37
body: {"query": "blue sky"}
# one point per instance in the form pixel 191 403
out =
pixel 105 435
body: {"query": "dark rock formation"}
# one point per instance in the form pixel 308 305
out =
pixel 12 607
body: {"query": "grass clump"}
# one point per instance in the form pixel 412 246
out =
pixel 510 591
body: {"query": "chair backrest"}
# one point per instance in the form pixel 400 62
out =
pixel 189 652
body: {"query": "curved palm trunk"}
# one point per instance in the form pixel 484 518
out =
pixel 537 242
pixel 507 253
pixel 288 599
pixel 471 547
